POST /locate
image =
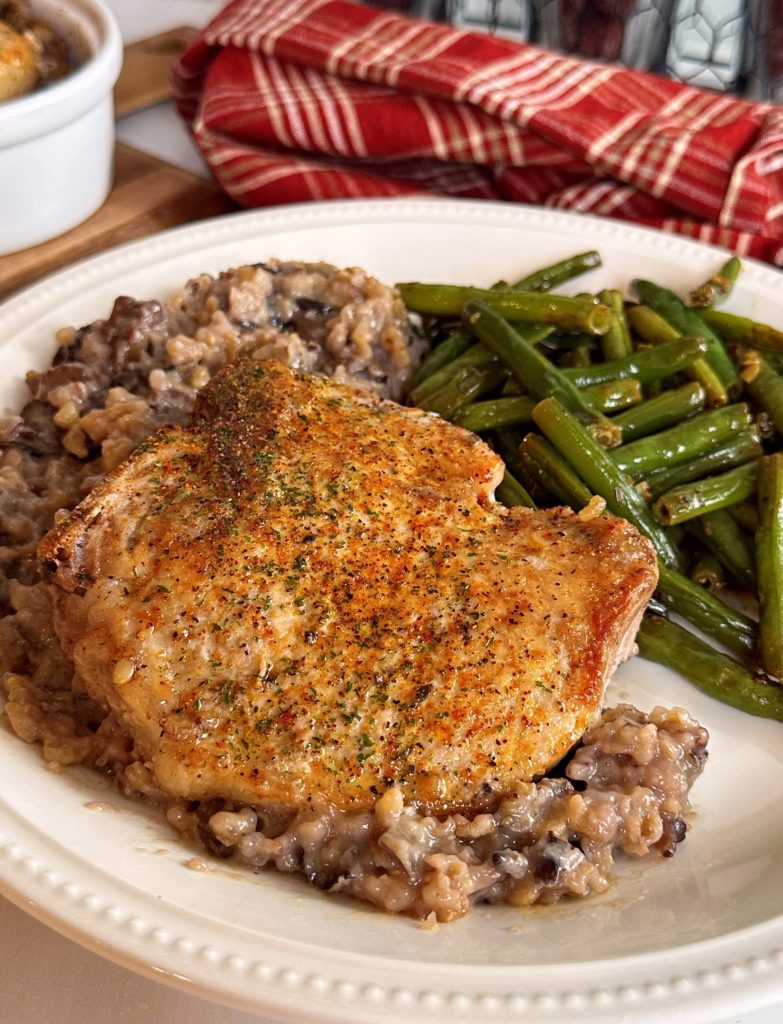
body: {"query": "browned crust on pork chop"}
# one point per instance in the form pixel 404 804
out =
pixel 310 595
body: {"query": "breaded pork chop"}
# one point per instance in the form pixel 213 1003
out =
pixel 310 594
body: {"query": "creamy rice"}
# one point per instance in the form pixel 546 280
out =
pixel 112 383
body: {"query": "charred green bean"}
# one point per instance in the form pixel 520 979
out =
pixel 715 674
pixel 598 471
pixel 616 343
pixel 718 286
pixel 650 326
pixel 707 571
pixel 661 412
pixel 476 355
pixel 707 612
pixel 516 410
pixel 721 535
pixel 763 384
pixel 546 278
pixel 547 466
pixel 650 365
pixel 563 311
pixel 496 412
pixel 510 492
pixel 745 514
pixel 534 371
pixel 468 383
pixel 506 442
pixel 695 499
pixel 743 330
pixel 742 448
pixel 614 395
pixel 769 563
pixel 655 330
pixel 441 356
pixel 682 443
pixel 673 309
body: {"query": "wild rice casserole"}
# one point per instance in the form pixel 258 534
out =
pixel 111 384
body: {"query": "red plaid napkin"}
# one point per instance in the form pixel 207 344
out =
pixel 293 100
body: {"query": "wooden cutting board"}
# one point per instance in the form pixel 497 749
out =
pixel 146 68
pixel 148 194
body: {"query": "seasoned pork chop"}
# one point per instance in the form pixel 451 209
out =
pixel 310 594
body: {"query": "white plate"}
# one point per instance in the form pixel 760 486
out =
pixel 700 936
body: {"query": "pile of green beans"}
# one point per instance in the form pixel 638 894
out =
pixel 669 410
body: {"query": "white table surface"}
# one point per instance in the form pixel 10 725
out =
pixel 45 978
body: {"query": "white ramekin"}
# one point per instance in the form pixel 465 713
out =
pixel 57 144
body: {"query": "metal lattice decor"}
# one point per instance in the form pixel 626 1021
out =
pixel 726 45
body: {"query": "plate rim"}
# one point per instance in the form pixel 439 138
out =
pixel 309 213
pixel 746 981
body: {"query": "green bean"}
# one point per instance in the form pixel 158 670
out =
pixel 443 354
pixel 686 441
pixel 718 532
pixel 551 471
pixel 566 342
pixel 660 412
pixel 650 326
pixel 743 330
pixel 510 492
pixel 707 612
pixel 650 365
pixel 535 372
pixel 707 571
pixel 616 343
pixel 558 273
pixel 577 356
pixel 613 395
pixel 655 330
pixel 506 442
pixel 769 563
pixel 745 514
pixel 511 388
pixel 476 355
pixel 742 448
pixel 695 499
pixel 467 384
pixel 598 471
pixel 563 311
pixel 496 412
pixel 714 673
pixel 763 384
pixel 672 308
pixel 718 286
pixel 516 410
